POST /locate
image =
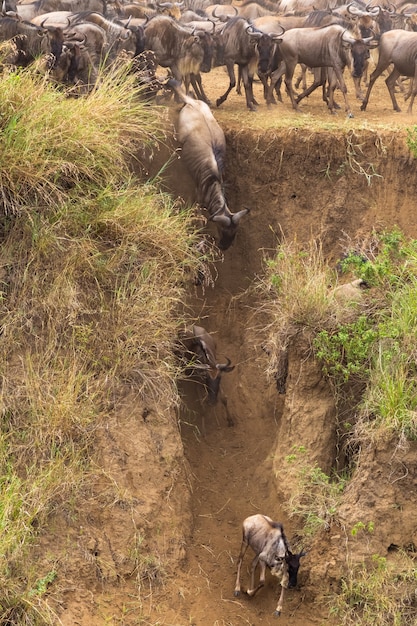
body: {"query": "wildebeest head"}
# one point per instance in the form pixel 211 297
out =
pixel 207 45
pixel 138 33
pixel 360 54
pixel 213 380
pixel 52 42
pixel 264 46
pixel 228 224
pixel 293 563
pixel 200 350
pixel 173 9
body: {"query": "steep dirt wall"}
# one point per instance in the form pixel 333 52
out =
pixel 298 184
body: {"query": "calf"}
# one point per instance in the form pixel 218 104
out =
pixel 267 539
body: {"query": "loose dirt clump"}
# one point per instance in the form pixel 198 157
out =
pixel 186 491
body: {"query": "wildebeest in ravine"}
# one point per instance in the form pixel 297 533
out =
pixel 31 41
pixel 203 149
pixel 198 349
pixel 267 539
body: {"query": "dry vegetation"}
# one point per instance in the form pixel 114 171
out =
pixel 93 272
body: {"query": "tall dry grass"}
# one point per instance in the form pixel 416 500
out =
pixel 94 268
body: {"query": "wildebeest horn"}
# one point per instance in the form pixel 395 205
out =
pixel 223 220
pixel 367 40
pixel 164 5
pixel 214 24
pixel 253 32
pixel 275 35
pixel 236 217
pixel 347 37
pixel 223 16
pixel 353 10
pixel 225 367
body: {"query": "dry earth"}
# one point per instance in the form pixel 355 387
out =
pixel 184 491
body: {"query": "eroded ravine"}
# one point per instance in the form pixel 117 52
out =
pixel 280 176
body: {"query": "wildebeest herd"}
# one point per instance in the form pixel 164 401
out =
pixel 191 37
pixel 76 38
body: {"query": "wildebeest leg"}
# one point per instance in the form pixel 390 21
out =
pixel 289 73
pixel 390 82
pixel 339 75
pixel 251 592
pixel 197 85
pixel 242 553
pixel 302 78
pixel 330 79
pixel 318 80
pixel 284 585
pixel 412 90
pixel 247 79
pixel 275 84
pixel 278 610
pixel 232 82
pixel 239 81
pixel 264 78
pixel 381 67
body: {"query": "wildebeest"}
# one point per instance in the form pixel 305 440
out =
pixel 118 38
pixel 137 10
pixel 250 49
pixel 398 47
pixel 350 292
pixel 316 47
pixel 203 149
pixel 31 10
pixel 185 51
pixel 198 348
pixel 267 539
pixel 31 41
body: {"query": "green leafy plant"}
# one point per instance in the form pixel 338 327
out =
pixel 316 496
pixel 347 351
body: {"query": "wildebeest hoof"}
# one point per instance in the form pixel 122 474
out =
pixel 350 115
pixel 277 613
pixel 219 101
pixel 236 594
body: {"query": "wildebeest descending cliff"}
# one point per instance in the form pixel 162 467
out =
pixel 203 151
